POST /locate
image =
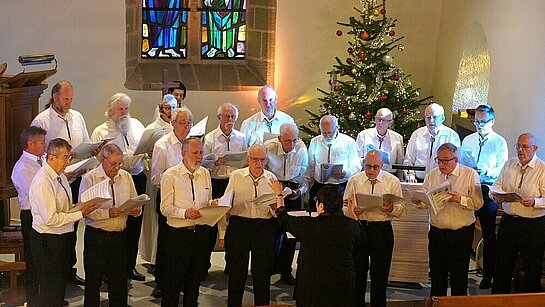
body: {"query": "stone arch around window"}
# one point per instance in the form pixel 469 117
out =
pixel 198 74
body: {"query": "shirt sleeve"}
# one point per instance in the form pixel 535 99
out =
pixel 158 164
pixel 48 206
pixel 474 198
pixel 168 208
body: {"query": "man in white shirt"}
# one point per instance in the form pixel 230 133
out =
pixel 126 131
pixel 377 225
pixel 329 150
pixel 424 141
pixel 165 107
pixel 167 153
pixel 451 229
pixel 522 226
pixel 383 139
pixel 250 229
pixel 50 201
pixel 185 188
pixel 104 251
pixel 268 119
pixel 489 152
pixel 287 159
pixel 179 93
pixel 30 162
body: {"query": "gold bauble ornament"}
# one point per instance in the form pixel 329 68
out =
pixel 376 12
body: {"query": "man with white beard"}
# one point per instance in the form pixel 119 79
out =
pixel 126 132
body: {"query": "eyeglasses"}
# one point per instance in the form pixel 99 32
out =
pixel 261 160
pixel 482 122
pixel 434 118
pixel 183 123
pixel 64 157
pixel 522 146
pixel 290 140
pixel 228 116
pixel 444 161
pixel 374 167
pixel 379 119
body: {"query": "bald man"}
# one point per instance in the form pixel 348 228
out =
pixel 424 142
pixel 377 252
pixel 522 226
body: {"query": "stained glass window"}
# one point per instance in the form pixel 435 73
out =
pixel 164 28
pixel 223 29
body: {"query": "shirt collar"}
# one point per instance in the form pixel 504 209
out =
pixel 380 176
pixel 55 114
pixel 264 118
pixel 102 173
pixel 531 164
pixel 173 139
pixel 32 157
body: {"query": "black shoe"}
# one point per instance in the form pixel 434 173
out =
pixel 486 283
pixel 76 280
pixel 288 279
pixel 65 303
pixel 135 275
pixel 157 293
pixel 105 279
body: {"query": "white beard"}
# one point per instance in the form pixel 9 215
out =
pixel 123 124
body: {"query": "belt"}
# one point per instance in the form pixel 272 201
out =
pixel 521 218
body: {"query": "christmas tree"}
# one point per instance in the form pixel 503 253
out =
pixel 367 80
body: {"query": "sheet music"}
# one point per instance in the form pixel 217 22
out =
pixel 199 130
pixel 508 197
pixel 235 158
pixel 83 150
pixel 270 199
pixel 466 157
pixel 101 189
pixel 327 170
pixel 86 164
pixel 269 136
pixel 435 198
pixel 208 160
pixel 148 139
pixel 134 202
pixel 211 215
pixel 368 201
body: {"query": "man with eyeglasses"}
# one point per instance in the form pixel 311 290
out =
pixel 522 227
pixel 287 158
pixel 268 119
pixel 330 149
pixel 424 141
pixel 489 151
pixel 50 200
pixel 167 152
pixel 126 131
pixel 105 252
pixel 451 230
pixel 166 105
pixel 377 252
pixel 249 228
pixel 225 138
pixel 382 138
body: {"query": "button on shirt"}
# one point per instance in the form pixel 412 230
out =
pixel 23 172
pixel 216 142
pixel 493 154
pixel 55 126
pixel 343 151
pixel 132 164
pixel 392 143
pixel 123 188
pixel 287 166
pixel 463 180
pixel 167 152
pixel 50 202
pixel 386 184
pixel 177 194
pixel 533 185
pixel 254 126
pixel 242 185
pixel 418 148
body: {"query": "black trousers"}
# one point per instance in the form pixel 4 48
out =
pixel 31 280
pixel 527 236
pixel 134 224
pixel 245 235
pixel 487 217
pixel 161 267
pixel 316 186
pixel 374 255
pixel 449 252
pixel 285 247
pixel 186 259
pixel 49 255
pixel 73 235
pixel 103 254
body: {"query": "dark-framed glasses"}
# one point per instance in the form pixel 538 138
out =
pixel 373 167
pixel 482 122
pixel 444 161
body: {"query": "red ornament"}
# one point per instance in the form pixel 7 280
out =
pixel 392 33
pixel 343 72
pixel 405 110
pixel 383 11
pixel 364 35
pixel 337 88
pixel 396 77
pixel 350 49
pixel 418 126
pixel 383 97
pixel 361 55
pixel 339 32
pixel 349 60
pixel 368 115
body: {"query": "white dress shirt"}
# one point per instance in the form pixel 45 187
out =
pixel 533 185
pixel 418 148
pixel 132 164
pixel 391 142
pixel 493 154
pixel 216 142
pixel 287 166
pixel 123 188
pixel 178 193
pixel 342 151
pixel 167 152
pixel 56 126
pixel 386 184
pixel 254 126
pixel 158 123
pixel 463 180
pixel 50 201
pixel 23 172
pixel 244 190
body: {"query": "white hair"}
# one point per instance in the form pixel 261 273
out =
pixel 177 111
pixel 227 105
pixel 115 99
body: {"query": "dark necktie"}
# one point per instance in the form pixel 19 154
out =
pixel 67 127
pixel 380 140
pixel 65 190
pixel 431 145
pixel 256 183
pixel 192 187
pixel 447 176
pixel 285 160
pixel 39 160
pixel 113 193
pixel 373 182
pixel 227 140
pixel 522 172
pixel 126 139
pixel 329 153
pixel 482 140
